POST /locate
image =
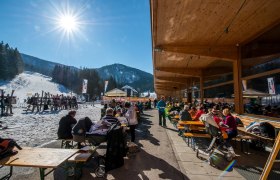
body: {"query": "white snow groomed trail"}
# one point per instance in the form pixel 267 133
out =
pixel 35 129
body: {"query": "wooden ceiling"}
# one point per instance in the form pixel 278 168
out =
pixel 194 38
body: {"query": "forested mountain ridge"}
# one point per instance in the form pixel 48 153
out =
pixel 125 75
pixel 11 63
pixel 35 64
pixel 117 74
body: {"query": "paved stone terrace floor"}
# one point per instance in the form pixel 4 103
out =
pixel 165 155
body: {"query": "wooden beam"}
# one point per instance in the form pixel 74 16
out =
pixel 176 79
pixel 169 82
pixel 267 73
pixel 193 72
pixel 177 86
pixel 173 86
pixel 261 32
pixel 228 53
pixel 218 85
pixel 250 62
pixel 238 98
pixel 164 88
pixel 211 72
pixel 154 23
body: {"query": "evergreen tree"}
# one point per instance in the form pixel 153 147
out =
pixel 11 63
pixel 112 84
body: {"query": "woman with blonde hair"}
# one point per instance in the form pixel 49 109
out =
pixel 230 123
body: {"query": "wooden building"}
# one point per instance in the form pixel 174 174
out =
pixel 197 41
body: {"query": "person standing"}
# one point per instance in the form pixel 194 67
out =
pixel 103 111
pixel 155 102
pixel 132 119
pixel 161 112
pixel 8 102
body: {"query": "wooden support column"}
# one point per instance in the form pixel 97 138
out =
pixel 237 84
pixel 201 89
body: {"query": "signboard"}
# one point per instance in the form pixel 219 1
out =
pixel 271 87
pixel 244 84
pixel 106 85
pixel 85 82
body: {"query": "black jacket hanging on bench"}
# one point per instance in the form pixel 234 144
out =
pixel 116 149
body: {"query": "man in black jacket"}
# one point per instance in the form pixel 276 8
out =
pixel 65 126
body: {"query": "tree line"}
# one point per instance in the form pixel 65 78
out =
pixel 72 79
pixel 11 63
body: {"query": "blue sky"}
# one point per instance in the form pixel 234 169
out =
pixel 106 31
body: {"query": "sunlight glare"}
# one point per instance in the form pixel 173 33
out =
pixel 68 23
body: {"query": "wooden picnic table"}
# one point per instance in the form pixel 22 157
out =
pixel 188 123
pixel 41 158
pixel 242 130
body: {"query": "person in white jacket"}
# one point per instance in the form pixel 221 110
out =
pixel 131 118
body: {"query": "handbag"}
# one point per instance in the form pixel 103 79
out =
pixel 7 148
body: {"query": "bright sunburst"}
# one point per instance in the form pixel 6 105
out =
pixel 68 23
pixel 67 20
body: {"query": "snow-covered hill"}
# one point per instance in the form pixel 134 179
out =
pixel 28 83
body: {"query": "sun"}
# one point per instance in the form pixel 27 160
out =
pixel 68 23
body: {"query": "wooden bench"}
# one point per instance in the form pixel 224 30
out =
pixel 80 157
pixel 180 127
pixel 243 138
pixel 188 123
pixel 196 128
pixel 189 136
pixel 67 144
pixel 77 161
pixel 174 120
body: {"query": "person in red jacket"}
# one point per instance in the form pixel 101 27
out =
pixel 199 113
pixel 230 123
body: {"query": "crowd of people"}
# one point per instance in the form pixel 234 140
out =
pixel 122 113
pixel 6 104
pixel 111 128
pixel 254 107
pixel 50 102
pixel 219 112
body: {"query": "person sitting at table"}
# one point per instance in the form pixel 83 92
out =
pixel 103 125
pixel 184 114
pixel 80 129
pixel 192 112
pixel 198 113
pixel 175 107
pixel 65 126
pixel 216 116
pixel 230 124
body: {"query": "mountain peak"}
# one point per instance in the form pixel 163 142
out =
pixel 123 74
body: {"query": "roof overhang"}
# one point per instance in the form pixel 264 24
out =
pixel 194 38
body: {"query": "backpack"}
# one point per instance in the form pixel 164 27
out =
pixel 7 148
pixel 267 130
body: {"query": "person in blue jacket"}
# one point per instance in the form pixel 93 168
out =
pixel 161 106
